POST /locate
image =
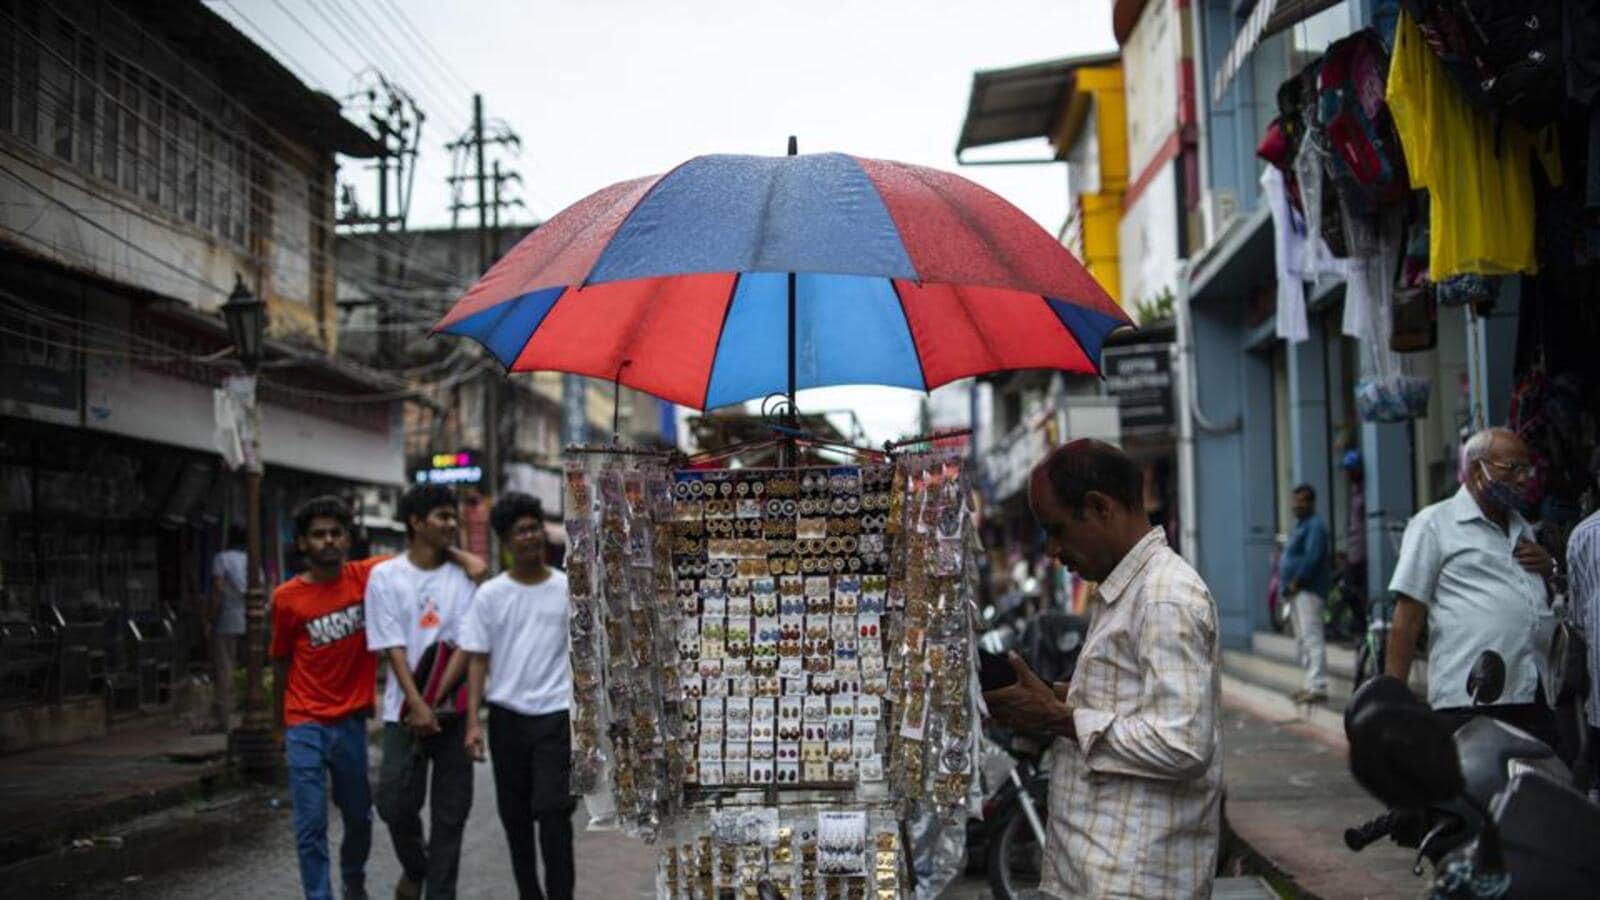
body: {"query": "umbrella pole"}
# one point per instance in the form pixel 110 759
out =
pixel 787 456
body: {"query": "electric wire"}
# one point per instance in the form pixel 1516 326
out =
pixel 258 150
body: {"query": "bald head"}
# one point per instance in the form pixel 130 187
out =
pixel 1492 443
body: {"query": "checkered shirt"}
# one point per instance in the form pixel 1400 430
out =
pixel 1135 801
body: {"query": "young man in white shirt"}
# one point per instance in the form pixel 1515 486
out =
pixel 516 633
pixel 413 602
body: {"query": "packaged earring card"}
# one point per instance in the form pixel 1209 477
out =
pixel 933 672
pixel 623 613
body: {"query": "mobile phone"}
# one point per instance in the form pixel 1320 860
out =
pixel 994 671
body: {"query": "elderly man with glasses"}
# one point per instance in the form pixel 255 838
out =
pixel 1470 568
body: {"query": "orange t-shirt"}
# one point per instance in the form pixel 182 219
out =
pixel 322 630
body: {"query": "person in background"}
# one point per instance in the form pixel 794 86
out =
pixel 1583 581
pixel 1470 569
pixel 324 676
pixel 224 625
pixel 1136 789
pixel 1305 574
pixel 1353 575
pixel 414 606
pixel 516 632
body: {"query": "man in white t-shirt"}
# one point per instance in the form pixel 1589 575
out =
pixel 224 623
pixel 414 602
pixel 516 633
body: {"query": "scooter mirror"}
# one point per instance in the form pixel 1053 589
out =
pixel 1487 680
pixel 1399 750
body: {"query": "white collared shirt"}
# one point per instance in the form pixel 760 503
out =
pixel 1461 566
pixel 1583 581
pixel 1135 801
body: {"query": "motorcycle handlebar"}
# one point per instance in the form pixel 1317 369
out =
pixel 1359 837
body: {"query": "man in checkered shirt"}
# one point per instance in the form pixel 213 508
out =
pixel 1135 793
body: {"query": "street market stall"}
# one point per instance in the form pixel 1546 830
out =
pixel 773 668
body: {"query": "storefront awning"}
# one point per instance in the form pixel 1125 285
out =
pixel 1268 18
pixel 1020 102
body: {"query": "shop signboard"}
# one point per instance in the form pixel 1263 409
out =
pixel 460 469
pixel 1140 377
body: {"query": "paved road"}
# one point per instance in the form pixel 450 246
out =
pixel 242 846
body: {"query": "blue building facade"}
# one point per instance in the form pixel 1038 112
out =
pixel 1266 414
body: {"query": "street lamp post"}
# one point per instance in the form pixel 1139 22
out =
pixel 253 744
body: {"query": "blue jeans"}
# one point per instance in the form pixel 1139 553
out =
pixel 339 750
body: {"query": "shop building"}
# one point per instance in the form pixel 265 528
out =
pixel 1081 107
pixel 1270 410
pixel 152 161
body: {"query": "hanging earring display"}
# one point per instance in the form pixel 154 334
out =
pixel 772 668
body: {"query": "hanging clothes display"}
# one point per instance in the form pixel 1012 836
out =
pixel 1288 244
pixel 1476 170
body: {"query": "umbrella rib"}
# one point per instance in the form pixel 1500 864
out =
pixel 716 347
pixel 916 350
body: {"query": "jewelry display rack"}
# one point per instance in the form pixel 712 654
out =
pixel 773 668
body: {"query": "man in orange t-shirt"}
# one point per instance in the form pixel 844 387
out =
pixel 325 677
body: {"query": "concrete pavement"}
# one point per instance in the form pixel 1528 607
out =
pixel 241 845
pixel 1290 796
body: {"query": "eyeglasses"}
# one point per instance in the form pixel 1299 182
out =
pixel 1516 469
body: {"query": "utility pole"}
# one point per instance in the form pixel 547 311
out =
pixel 397 120
pixel 488 181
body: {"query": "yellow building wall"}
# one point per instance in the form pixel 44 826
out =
pixel 1101 210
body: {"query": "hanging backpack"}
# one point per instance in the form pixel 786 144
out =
pixel 1506 55
pixel 1365 160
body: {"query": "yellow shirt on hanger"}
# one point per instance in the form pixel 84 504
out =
pixel 1481 219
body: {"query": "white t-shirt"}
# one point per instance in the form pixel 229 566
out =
pixel 231 566
pixel 411 608
pixel 523 629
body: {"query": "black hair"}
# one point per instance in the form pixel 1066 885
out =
pixel 1078 467
pixel 510 508
pixel 422 499
pixel 324 507
pixel 1308 490
pixel 237 535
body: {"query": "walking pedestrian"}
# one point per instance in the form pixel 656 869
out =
pixel 1470 569
pixel 1135 793
pixel 224 624
pixel 516 631
pixel 1305 574
pixel 414 604
pixel 324 676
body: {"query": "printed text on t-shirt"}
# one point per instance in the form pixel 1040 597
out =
pixel 337 625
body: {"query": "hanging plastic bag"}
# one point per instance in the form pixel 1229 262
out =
pixel 1392 398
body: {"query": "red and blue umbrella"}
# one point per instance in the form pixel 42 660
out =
pixel 731 278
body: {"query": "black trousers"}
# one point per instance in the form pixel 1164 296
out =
pixel 404 785
pixel 532 758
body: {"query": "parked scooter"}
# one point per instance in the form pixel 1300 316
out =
pixel 1490 807
pixel 1010 837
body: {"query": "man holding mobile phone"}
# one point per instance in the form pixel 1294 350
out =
pixel 1135 793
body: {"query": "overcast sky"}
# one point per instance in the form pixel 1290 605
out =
pixel 605 90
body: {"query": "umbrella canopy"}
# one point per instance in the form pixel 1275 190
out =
pixel 678 284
